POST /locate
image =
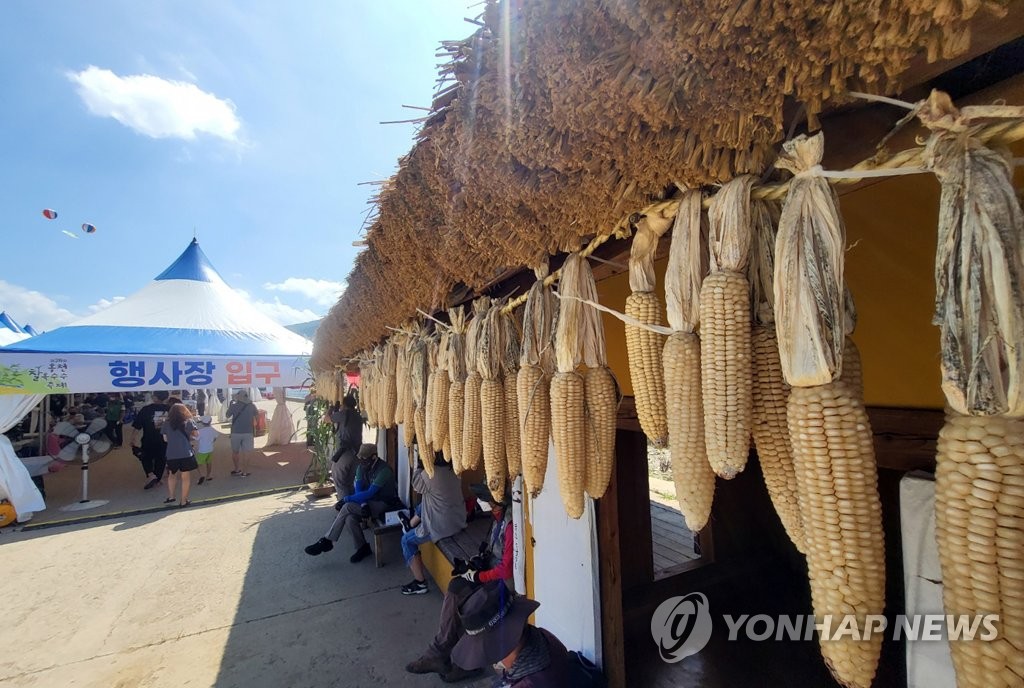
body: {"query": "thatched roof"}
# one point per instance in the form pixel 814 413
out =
pixel 558 117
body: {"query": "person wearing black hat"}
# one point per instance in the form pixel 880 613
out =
pixel 498 634
pixel 376 492
pixel 494 563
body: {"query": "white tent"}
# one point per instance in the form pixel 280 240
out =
pixel 185 329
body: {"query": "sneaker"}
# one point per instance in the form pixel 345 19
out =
pixel 415 587
pixel 361 553
pixel 428 664
pixel 457 674
pixel 319 547
pixel 151 484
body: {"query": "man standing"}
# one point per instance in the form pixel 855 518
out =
pixel 242 413
pixel 153 450
pixel 115 419
pixel 349 437
pixel 375 493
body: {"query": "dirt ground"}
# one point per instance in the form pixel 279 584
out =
pixel 212 595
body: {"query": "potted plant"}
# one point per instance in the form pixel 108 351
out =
pixel 321 431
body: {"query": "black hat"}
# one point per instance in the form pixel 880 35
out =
pixel 493 618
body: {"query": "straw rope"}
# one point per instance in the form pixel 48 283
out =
pixel 996 134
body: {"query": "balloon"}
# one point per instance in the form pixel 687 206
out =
pixel 50 214
pixel 88 228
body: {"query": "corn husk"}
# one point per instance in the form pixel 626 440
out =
pixel 537 365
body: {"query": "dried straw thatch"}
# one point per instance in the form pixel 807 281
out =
pixel 557 117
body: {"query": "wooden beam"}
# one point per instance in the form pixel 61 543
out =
pixel 905 439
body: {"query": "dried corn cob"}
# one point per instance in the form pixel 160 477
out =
pixel 834 460
pixel 568 415
pixel 833 450
pixel 389 387
pixel 472 429
pixel 725 331
pixel 643 346
pixel 511 351
pixel 401 376
pixel 533 380
pixel 567 420
pixel 979 480
pixel 770 393
pixel 492 400
pixel 440 406
pixel 694 480
pixel 456 376
pixel 429 400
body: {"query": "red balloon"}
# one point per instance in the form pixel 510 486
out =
pixel 50 214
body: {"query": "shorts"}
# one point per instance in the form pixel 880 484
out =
pixel 203 458
pixel 242 442
pixel 186 464
pixel 411 544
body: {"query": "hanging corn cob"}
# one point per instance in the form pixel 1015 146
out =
pixel 492 400
pixel 770 391
pixel 457 377
pixel 568 420
pixel 408 403
pixel 511 349
pixel 725 331
pixel 533 379
pixel 643 347
pixel 472 429
pixel 600 390
pixel 833 451
pixel 430 399
pixel 418 372
pixel 979 308
pixel 401 376
pixel 440 405
pixel 389 392
pixel 694 480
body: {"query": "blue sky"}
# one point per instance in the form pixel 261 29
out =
pixel 252 121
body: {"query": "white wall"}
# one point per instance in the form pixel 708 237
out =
pixel 565 569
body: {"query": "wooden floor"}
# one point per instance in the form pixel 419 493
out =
pixel 673 543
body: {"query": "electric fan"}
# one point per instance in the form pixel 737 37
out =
pixel 84 445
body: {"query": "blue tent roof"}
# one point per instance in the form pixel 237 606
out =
pixel 191 265
pixel 31 330
pixel 8 322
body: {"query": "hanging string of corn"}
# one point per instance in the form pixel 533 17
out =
pixel 725 331
pixel 439 408
pixel 770 391
pixel 511 351
pixel 389 391
pixel 472 428
pixel 600 390
pixel 402 387
pixel 428 445
pixel 457 378
pixel 687 264
pixel 418 373
pixel 409 404
pixel 643 346
pixel 366 369
pixel 490 351
pixel 979 308
pixel 833 451
pixel 568 419
pixel 534 378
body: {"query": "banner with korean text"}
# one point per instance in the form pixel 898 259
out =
pixel 38 373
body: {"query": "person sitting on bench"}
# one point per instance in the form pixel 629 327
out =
pixel 441 514
pixel 376 492
pixel 494 563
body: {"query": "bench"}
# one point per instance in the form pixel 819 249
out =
pixel 379 528
pixel 465 544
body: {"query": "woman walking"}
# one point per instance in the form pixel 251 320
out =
pixel 178 431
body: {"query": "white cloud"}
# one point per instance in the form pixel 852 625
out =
pixel 155 107
pixel 29 307
pixel 281 313
pixel 103 304
pixel 321 292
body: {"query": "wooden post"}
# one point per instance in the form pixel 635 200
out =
pixel 610 558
